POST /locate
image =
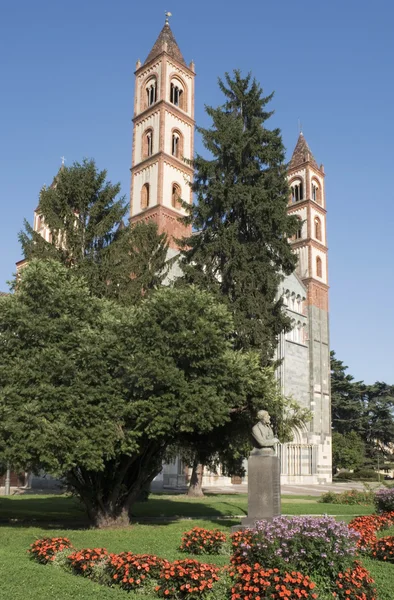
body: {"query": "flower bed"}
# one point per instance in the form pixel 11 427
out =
pixel 132 571
pixel 307 544
pixel 45 549
pixel 355 584
pixel 187 578
pixel 203 541
pixel 83 561
pixel 367 527
pixel 320 545
pixel 256 583
pixel 383 549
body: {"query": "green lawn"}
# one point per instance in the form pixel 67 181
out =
pixel 21 578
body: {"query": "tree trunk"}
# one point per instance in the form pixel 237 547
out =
pixel 195 486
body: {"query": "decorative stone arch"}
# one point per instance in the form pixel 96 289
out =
pixel 145 196
pixel 176 195
pixel 178 92
pixel 317 228
pixel 177 142
pixel 147 142
pixel 316 194
pixel 297 189
pixel 149 91
pixel 286 295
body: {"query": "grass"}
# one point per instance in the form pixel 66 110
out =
pixel 64 510
pixel 35 516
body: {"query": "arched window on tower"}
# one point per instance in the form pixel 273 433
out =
pixel 177 95
pixel 316 196
pixel 298 234
pixel 318 229
pixel 151 91
pixel 147 143
pixel 297 191
pixel 177 144
pixel 145 193
pixel 175 196
pixel 319 267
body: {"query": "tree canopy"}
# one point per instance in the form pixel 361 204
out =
pixel 95 392
pixel 240 251
pixel 362 416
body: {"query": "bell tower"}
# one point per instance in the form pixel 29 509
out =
pixel 163 137
pixel 308 202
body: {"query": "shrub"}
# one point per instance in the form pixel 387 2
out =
pixel 361 475
pixel 322 545
pixel 255 583
pixel 355 584
pixel 187 578
pixel 384 500
pixel 329 498
pixel 348 497
pixel 383 549
pixel 132 571
pixel 203 541
pixel 45 549
pixel 83 561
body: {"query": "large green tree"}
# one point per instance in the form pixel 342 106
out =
pixel 241 250
pixel 95 392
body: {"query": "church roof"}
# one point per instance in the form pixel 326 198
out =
pixel 4 294
pixel 166 37
pixel 302 153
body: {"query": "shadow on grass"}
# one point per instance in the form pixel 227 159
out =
pixel 65 512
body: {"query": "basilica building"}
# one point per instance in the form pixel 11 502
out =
pixel 163 137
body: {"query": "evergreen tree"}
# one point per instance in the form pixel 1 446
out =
pixel 348 451
pixel 137 263
pixel 83 215
pixel 347 400
pixel 241 250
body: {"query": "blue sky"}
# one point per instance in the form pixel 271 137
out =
pixel 67 89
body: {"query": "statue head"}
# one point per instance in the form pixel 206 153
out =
pixel 263 416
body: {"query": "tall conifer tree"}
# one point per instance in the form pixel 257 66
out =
pixel 241 250
pixel 83 213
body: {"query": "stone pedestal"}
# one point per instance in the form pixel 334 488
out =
pixel 263 487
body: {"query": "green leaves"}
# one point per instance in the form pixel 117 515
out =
pixel 95 392
pixel 241 251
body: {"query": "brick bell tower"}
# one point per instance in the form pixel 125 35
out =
pixel 308 203
pixel 163 137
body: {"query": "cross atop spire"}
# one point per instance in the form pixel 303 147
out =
pixel 168 15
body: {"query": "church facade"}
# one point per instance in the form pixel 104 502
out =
pixel 163 137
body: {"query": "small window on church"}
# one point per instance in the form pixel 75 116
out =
pixel 316 192
pixel 176 196
pixel 147 143
pixel 318 229
pixel 151 92
pixel 176 95
pixel 176 144
pixel 145 196
pixel 298 234
pixel 319 269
